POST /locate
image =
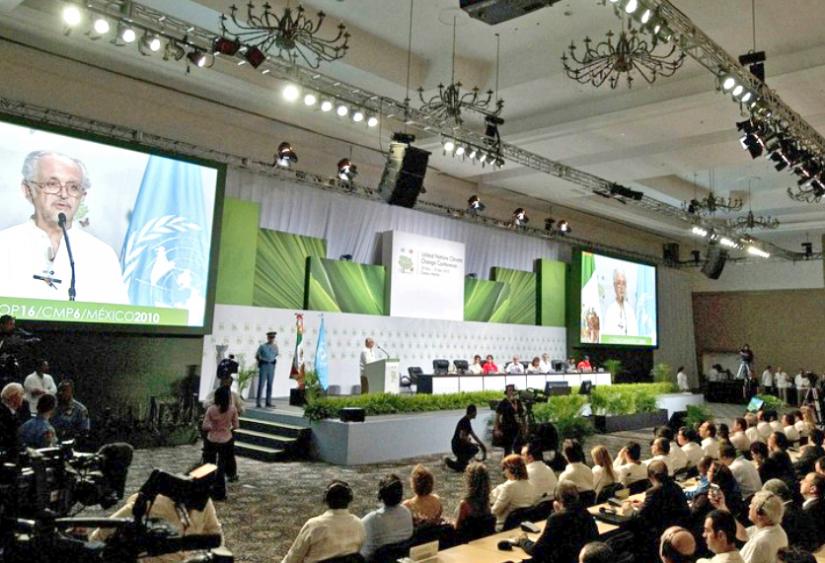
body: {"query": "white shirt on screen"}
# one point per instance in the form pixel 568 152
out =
pixel 782 380
pixel 25 250
pixel 662 458
pixel 677 458
pixel 802 382
pixel 753 435
pixel 619 320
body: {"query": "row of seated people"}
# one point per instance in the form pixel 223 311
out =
pixel 538 365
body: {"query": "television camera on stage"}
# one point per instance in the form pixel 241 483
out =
pixel 41 487
pixel 14 345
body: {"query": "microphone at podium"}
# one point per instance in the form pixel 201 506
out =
pixel 380 348
pixel 61 220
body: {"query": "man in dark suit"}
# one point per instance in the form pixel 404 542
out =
pixel 809 454
pixel 813 491
pixel 568 529
pixel 664 506
pixel 11 399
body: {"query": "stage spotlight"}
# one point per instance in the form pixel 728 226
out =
pixel 291 92
pixel 499 162
pixel 285 157
pixel 326 106
pixel 699 231
pixel 254 56
pixel 198 58
pixel 473 153
pixel 358 116
pixel 225 46
pixel 101 26
pixel 646 15
pixel 564 227
pixel 459 150
pixel 149 42
pixel 346 170
pixel 310 99
pixel 342 110
pixel 746 97
pixel 482 158
pixel 173 51
pixel 372 121
pixel 449 145
pixel 72 15
pixel 728 83
pixel 737 90
pixel 520 217
pixel 725 241
pixel 631 6
pixel 474 205
pixel 756 251
pixel 127 34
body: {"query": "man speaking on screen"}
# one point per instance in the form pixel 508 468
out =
pixel 34 256
pixel 620 318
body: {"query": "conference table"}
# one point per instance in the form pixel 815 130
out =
pixel 438 384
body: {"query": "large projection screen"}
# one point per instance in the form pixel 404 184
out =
pixel 617 305
pixel 141 228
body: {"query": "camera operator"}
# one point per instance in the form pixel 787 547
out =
pixel 71 419
pixel 37 432
pixel 11 399
pixel 194 516
pixel 13 343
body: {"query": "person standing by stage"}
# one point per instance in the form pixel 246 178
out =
pixel 465 443
pixel 367 357
pixel 509 416
pixel 267 356
pixel 746 361
pixel 37 384
pixel 220 420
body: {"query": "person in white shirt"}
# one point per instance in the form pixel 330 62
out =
pixel 713 374
pixel 660 450
pixel 367 357
pixel 476 368
pixel 392 523
pixel 782 382
pixel 763 426
pixel 766 537
pixel 682 380
pixel 628 466
pixel 539 473
pixel 676 458
pixel 743 470
pixel 535 366
pixel 789 427
pixel 707 431
pixel 739 438
pixel 776 424
pixel 689 443
pixel 546 364
pixel 514 367
pixel 805 421
pixel 766 382
pixel 620 317
pixel 38 383
pixel 515 492
pixel 55 185
pixel 334 533
pixel 803 383
pixel 603 473
pixel 576 471
pixel 751 431
pixel 720 536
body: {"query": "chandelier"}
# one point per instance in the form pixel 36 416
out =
pixel 291 36
pixel 451 101
pixel 751 221
pixel 711 204
pixel 607 61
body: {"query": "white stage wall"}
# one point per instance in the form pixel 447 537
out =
pixel 416 342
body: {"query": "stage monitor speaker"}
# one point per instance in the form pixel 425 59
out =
pixel 403 176
pixel 715 261
pixel 670 253
pixel 352 414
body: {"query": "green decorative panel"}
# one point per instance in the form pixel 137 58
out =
pixel 280 268
pixel 552 291
pixel 485 301
pixel 345 287
pixel 236 261
pixel 522 295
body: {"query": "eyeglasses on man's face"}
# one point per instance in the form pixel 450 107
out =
pixel 54 186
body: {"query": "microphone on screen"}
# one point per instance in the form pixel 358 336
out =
pixel 61 220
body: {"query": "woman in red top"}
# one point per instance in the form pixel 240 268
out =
pixel 489 366
pixel 219 421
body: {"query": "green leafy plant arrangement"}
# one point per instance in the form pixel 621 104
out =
pixel 771 402
pixel 662 373
pixel 563 412
pixel 320 407
pixel 613 367
pixel 696 415
pixel 628 398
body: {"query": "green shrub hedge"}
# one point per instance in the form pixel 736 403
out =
pixel 563 412
pixel 627 398
pixel 387 403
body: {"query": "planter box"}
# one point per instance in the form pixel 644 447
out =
pixel 618 423
pixel 297 397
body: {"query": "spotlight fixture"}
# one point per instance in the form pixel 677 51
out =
pixel 460 150
pixel 342 110
pixel 149 42
pixel 72 15
pixel 346 170
pixel 101 26
pixel 725 241
pixel 285 157
pixel 326 106
pixel 254 56
pixel 173 51
pixel 699 231
pixel 310 99
pixel 225 46
pixel 198 58
pixel 756 251
pixel 372 121
pixel 449 145
pixel 631 6
pixel 520 217
pixel 473 153
pixel 291 92
pixel 564 227
pixel 474 205
pixel 127 34
pixel 358 116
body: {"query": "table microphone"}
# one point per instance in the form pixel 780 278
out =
pixel 61 220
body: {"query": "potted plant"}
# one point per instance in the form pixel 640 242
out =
pixel 614 368
pixel 661 373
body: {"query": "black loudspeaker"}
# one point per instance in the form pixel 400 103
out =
pixel 715 261
pixel 670 253
pixel 352 414
pixel 403 175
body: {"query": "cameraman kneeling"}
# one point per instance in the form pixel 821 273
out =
pixel 194 517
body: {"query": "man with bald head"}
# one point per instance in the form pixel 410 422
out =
pixel 33 255
pixel 620 318
pixel 677 546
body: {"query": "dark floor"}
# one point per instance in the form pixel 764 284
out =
pixel 270 502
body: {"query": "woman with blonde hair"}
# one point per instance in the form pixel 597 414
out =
pixel 805 421
pixel 603 474
pixel 425 506
pixel 515 492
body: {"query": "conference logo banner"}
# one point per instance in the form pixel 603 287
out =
pixel 85 312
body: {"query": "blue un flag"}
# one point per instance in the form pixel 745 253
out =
pixel 165 255
pixel 321 359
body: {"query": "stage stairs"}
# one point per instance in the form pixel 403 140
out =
pixel 272 435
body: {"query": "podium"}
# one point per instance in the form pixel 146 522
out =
pixel 382 375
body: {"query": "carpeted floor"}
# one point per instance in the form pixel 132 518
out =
pixel 270 502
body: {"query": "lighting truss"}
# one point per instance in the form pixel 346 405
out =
pixel 389 108
pixel 292 36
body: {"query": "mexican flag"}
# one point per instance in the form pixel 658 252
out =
pixel 297 371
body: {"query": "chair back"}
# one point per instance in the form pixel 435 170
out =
pixel 443 533
pixel 587 498
pixel 476 527
pixel 639 486
pixel 516 517
pixel 391 552
pixel 607 492
pixel 542 510
pixel 441 367
pixel 351 558
pixel 624 547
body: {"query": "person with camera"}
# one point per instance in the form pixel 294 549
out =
pixel 509 420
pixel 37 432
pixel 11 399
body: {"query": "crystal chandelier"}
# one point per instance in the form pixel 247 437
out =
pixel 291 36
pixel 631 54
pixel 451 101
pixel 751 221
pixel 712 202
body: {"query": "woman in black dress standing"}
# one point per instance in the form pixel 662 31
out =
pixel 509 420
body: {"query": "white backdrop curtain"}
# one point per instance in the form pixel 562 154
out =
pixel 352 225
